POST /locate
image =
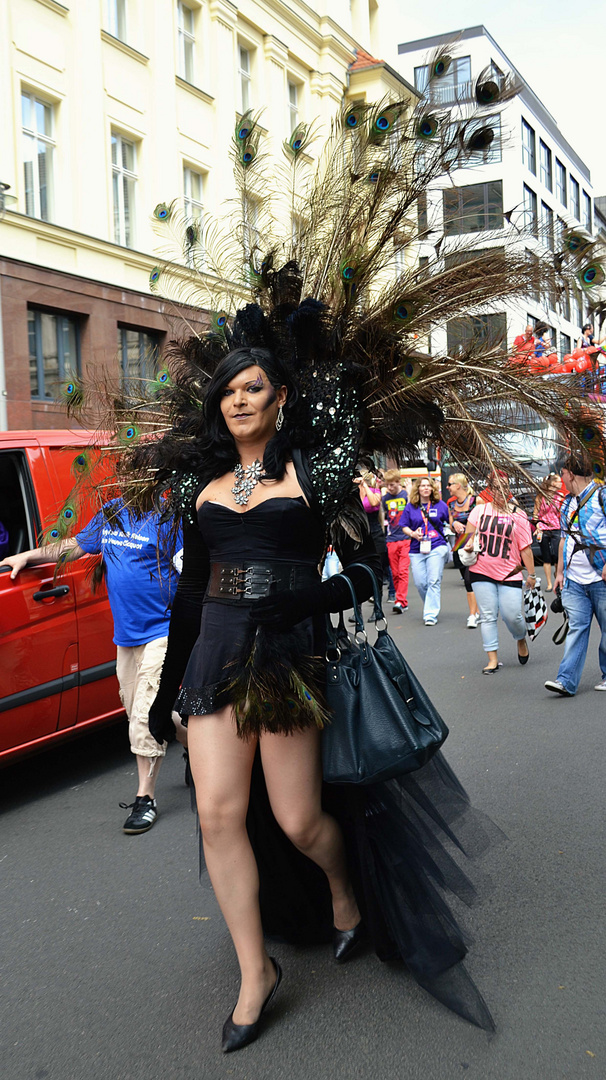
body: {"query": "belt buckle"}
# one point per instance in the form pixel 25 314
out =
pixel 255 576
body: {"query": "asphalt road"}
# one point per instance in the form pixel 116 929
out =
pixel 117 965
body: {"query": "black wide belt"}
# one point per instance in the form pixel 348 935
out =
pixel 250 581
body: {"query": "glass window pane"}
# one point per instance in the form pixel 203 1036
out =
pixel 114 149
pixel 43 118
pixel 188 59
pixel 116 197
pixel 50 357
pixel 33 360
pixel 69 337
pixel 44 163
pixel 28 175
pixel 131 356
pixel 421 78
pixel 127 195
pixel 292 94
pixel 128 155
pixel 188 19
pixel 26 110
pixel 244 59
pixel 245 93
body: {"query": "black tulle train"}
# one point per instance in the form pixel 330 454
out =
pixel 406 840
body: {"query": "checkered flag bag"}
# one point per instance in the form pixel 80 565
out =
pixel 535 612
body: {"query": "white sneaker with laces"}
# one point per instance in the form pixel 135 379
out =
pixel 601 685
pixel 472 621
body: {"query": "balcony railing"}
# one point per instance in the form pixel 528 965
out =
pixel 451 95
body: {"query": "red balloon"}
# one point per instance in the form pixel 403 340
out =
pixel 584 364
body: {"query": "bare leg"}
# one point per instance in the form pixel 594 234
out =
pixel 493 658
pixel 221 766
pixel 147 771
pixel 547 567
pixel 473 604
pixel 293 774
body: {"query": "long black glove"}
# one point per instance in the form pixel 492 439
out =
pixel 183 631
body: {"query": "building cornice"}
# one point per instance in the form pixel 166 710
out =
pixel 59 9
pixel 46 230
pixel 195 90
pixel 123 47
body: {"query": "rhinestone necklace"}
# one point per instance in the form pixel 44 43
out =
pixel 246 480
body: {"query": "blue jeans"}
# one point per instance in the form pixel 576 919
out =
pixel 494 599
pixel 427 573
pixel 582 602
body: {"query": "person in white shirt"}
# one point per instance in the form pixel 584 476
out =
pixel 581 572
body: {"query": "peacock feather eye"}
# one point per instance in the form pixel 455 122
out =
pixel 191 235
pixel 373 177
pixel 218 322
pixel 402 312
pixel 248 155
pixel 54 534
pixel 81 464
pixel 480 140
pixel 592 275
pixel 575 242
pixel 72 393
pixel 128 434
pixel 162 211
pixel 298 140
pixel 427 127
pixel 441 67
pixel 154 275
pixel 243 132
pixel 383 122
pixel 68 513
pixel 163 377
pixel 589 435
pixel 353 117
pixel 410 371
pixel 598 470
pixel 487 92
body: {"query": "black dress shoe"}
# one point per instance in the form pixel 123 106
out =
pixel 524 659
pixel 345 941
pixel 235 1036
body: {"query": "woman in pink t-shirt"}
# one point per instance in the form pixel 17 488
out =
pixel 547 507
pixel 496 579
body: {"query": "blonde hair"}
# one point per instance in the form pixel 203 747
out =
pixel 390 476
pixel 460 478
pixel 548 481
pixel 436 494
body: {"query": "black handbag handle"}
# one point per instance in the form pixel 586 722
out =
pixel 376 593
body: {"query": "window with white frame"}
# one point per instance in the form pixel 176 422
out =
pixel 575 198
pixel 293 106
pixel 545 165
pixel 454 86
pixel 492 152
pixel 244 75
pixel 38 146
pixel 138 350
pixel 530 211
pixel 547 235
pixel 115 16
pixel 560 172
pixel 576 310
pixel 187 41
pixel 54 352
pixel 565 304
pixel 528 147
pixel 587 211
pixel 124 180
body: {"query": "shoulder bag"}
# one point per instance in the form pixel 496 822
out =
pixel 383 723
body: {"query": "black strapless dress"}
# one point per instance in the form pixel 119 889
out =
pixel 407 839
pixel 279 530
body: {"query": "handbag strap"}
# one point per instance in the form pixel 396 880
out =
pixel 376 592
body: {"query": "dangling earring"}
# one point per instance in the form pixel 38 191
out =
pixel 280 419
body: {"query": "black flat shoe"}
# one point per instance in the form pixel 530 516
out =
pixel 236 1036
pixel 491 670
pixel 345 941
pixel 524 659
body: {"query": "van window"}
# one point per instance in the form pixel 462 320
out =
pixel 18 510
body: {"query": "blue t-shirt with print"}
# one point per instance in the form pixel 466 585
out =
pixel 140 575
pixel 431 518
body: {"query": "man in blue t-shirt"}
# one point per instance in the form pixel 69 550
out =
pixel 141 581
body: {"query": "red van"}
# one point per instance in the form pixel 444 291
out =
pixel 57 656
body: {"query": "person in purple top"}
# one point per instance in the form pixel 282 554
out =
pixel 423 520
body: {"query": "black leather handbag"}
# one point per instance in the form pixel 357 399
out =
pixel 383 724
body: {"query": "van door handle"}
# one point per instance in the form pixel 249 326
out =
pixel 59 590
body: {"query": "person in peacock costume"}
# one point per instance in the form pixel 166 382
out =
pixel 249 438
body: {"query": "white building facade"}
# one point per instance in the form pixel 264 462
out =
pixel 110 107
pixel 529 176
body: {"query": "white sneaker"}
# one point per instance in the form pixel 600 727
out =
pixel 601 685
pixel 430 622
pixel 472 621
